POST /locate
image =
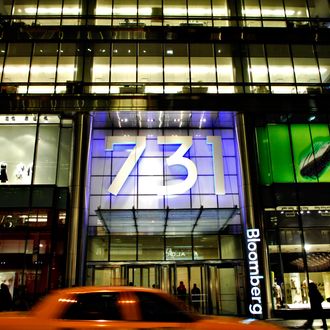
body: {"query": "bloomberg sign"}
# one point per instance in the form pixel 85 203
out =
pixel 137 146
pixel 253 240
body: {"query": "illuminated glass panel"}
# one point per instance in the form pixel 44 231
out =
pixel 280 68
pixel 258 72
pixel 202 64
pixel 206 247
pixel 141 188
pixel 305 158
pixel 323 53
pixel 46 157
pixel 151 248
pixel 122 247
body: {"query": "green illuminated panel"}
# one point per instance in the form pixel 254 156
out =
pixel 264 160
pixel 306 158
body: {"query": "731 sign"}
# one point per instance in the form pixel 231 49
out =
pixel 177 158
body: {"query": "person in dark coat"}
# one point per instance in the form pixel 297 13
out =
pixel 181 291
pixel 317 312
pixel 196 297
pixel 6 301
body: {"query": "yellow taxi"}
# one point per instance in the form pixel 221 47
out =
pixel 118 308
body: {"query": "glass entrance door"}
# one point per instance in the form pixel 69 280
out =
pixel 145 276
pixel 221 287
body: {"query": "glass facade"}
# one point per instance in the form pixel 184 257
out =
pixel 35 176
pixel 296 227
pixel 126 158
pixel 166 68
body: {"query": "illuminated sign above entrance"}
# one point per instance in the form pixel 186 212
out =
pixel 177 158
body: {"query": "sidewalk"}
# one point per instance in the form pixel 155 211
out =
pixel 293 324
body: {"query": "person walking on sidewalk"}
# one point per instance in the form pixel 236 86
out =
pixel 317 312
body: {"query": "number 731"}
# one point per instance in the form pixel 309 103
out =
pixel 177 158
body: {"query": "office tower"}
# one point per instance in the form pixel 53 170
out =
pixel 159 141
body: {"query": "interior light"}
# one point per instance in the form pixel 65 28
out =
pixel 169 51
pixel 307 247
pixel 311 118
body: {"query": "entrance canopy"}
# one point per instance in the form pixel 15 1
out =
pixel 169 221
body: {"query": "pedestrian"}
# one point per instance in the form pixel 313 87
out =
pixel 6 300
pixel 317 312
pixel 196 297
pixel 181 291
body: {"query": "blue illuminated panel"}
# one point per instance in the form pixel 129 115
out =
pixel 151 171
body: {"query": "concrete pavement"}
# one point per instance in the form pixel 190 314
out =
pixel 294 324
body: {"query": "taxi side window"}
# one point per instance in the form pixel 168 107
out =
pixel 155 308
pixel 93 306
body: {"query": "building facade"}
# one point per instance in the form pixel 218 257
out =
pixel 149 142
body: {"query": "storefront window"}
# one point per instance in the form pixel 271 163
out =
pixel 18 145
pixel 64 156
pixel 298 253
pixel 47 153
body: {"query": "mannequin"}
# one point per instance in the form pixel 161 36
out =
pixel 3 173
